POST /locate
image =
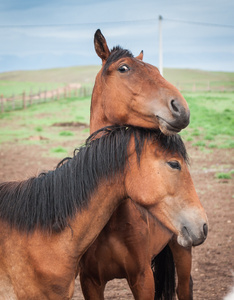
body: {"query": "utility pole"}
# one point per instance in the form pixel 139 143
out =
pixel 160 45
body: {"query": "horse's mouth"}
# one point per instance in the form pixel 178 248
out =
pixel 166 127
pixel 187 239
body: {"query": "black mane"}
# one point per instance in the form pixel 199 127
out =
pixel 49 200
pixel 116 53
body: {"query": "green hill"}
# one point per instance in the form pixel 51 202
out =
pixel 185 79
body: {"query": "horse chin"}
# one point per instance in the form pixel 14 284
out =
pixel 187 238
pixel 166 128
pixel 184 241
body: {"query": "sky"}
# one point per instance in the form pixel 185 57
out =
pixel 43 34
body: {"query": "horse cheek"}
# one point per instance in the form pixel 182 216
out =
pixel 143 190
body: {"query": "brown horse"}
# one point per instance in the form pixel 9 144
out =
pixel 128 90
pixel 48 222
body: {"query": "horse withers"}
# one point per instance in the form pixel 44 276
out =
pixel 48 222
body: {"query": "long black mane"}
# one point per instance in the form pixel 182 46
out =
pixel 50 199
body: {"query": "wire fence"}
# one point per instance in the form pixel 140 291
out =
pixel 205 86
pixel 24 100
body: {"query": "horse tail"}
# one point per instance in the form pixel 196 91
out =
pixel 163 268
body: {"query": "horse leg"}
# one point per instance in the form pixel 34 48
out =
pixel 142 286
pixel 183 262
pixel 90 288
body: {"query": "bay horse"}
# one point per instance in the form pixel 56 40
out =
pixel 130 91
pixel 49 221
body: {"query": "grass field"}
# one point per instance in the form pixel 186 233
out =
pixel 212 115
pixel 212 120
pixel 211 126
pixel 13 83
pixel 10 88
pixel 39 119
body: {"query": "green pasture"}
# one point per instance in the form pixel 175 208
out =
pixel 10 88
pixel 197 75
pixel 211 125
pixel 43 124
pixel 212 120
pixel 17 82
pixel 212 113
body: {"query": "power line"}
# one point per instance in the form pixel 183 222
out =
pixel 77 24
pixel 113 22
pixel 199 23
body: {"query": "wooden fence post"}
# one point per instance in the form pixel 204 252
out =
pixel 208 86
pixel 39 96
pixel 45 94
pixel 2 104
pixel 13 101
pixel 194 87
pixel 31 97
pixel 178 85
pixel 24 100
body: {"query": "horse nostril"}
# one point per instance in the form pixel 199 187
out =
pixel 180 116
pixel 205 229
pixel 174 106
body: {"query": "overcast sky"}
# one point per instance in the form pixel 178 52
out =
pixel 38 34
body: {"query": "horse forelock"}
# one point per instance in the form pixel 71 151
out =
pixel 50 200
pixel 115 54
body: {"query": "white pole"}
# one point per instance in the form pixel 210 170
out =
pixel 160 46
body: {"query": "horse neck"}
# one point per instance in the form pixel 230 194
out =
pixel 97 115
pixel 88 223
pixel 159 235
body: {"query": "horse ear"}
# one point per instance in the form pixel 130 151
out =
pixel 101 47
pixel 140 56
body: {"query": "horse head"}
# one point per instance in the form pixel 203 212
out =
pixel 130 91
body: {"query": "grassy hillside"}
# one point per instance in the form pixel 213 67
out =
pixel 211 125
pixel 18 81
pixel 212 113
pixel 14 83
pixel 187 79
pixel 197 75
pixel 81 74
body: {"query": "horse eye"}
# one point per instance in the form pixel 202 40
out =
pixel 174 165
pixel 123 69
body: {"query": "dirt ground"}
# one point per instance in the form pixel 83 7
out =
pixel 213 262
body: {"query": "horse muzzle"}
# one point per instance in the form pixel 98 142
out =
pixel 173 126
pixel 191 235
pixel 174 119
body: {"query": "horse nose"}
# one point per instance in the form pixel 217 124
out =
pixel 179 113
pixel 175 107
pixel 205 230
pixel 196 236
